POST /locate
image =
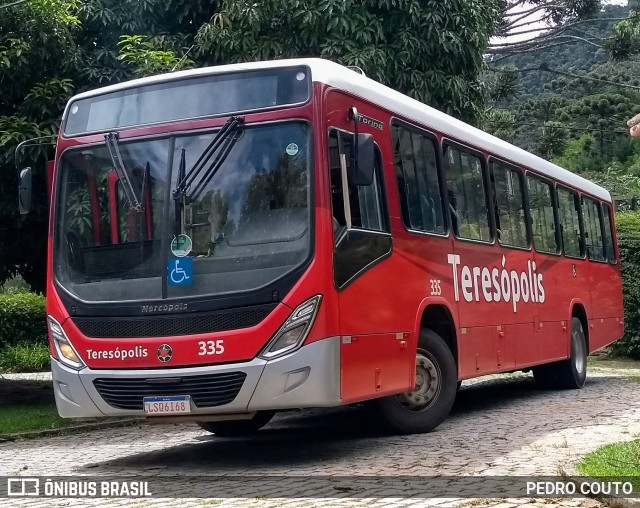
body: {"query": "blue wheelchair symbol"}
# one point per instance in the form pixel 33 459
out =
pixel 180 272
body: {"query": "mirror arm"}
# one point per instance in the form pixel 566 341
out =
pixel 30 141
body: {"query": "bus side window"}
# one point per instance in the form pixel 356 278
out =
pixel 367 202
pixel 509 205
pixel 593 229
pixel 608 234
pixel 543 221
pixel 418 181
pixel 467 196
pixel 569 211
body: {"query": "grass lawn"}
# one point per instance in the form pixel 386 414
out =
pixel 31 416
pixel 621 460
pixel 28 405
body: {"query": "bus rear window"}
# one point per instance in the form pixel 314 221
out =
pixel 188 98
pixel 608 235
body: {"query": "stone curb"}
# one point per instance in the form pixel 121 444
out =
pixel 612 501
pixel 72 429
pixel 43 376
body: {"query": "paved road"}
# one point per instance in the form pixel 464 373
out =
pixel 501 426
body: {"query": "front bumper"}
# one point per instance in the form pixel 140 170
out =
pixel 308 377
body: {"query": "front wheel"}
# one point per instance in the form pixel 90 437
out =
pixel 570 373
pixel 424 408
pixel 236 428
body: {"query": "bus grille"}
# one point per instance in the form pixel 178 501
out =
pixel 166 326
pixel 206 391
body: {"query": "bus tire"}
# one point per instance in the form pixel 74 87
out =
pixel 237 428
pixel 570 373
pixel 423 409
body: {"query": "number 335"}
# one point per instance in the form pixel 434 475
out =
pixel 435 287
pixel 210 347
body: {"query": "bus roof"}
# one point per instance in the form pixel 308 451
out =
pixel 343 78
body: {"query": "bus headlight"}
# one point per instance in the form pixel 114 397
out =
pixel 294 330
pixel 66 352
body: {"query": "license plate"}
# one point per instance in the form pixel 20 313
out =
pixel 173 405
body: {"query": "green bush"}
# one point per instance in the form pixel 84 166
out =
pixel 22 319
pixel 25 357
pixel 628 227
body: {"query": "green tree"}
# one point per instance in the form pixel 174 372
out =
pixel 36 46
pixel 50 49
pixel 600 114
pixel 501 123
pixel 553 139
pixel 431 50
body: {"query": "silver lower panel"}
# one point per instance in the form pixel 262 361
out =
pixel 308 377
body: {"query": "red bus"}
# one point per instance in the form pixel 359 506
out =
pixel 231 241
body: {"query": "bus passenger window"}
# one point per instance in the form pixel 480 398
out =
pixel 509 205
pixel 467 196
pixel 418 181
pixel 366 202
pixel 593 229
pixel 569 211
pixel 608 234
pixel 543 222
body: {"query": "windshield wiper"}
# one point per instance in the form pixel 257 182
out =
pixel 179 198
pixel 221 145
pixel 111 140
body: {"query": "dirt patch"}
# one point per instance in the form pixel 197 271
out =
pixel 14 392
pixel 600 362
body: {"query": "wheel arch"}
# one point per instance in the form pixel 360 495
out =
pixel 579 311
pixel 437 316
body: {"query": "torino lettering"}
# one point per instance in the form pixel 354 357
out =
pixel 496 284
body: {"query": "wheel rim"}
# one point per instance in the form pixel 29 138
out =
pixel 428 384
pixel 579 353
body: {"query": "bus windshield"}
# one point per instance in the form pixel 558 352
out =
pixel 246 226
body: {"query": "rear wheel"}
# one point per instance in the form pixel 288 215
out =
pixel 570 373
pixel 233 428
pixel 424 408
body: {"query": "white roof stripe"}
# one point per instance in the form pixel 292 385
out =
pixel 338 76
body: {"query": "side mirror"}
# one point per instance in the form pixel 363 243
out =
pixel 364 158
pixel 24 191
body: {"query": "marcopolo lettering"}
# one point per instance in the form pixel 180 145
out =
pixel 167 307
pixel 498 284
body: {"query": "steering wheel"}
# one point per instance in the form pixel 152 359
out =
pixel 74 252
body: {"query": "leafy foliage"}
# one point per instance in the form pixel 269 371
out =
pixel 625 40
pixel 430 50
pixel 22 318
pixel 50 49
pixel 500 123
pixel 628 227
pixel 143 56
pixel 36 47
pixel 26 357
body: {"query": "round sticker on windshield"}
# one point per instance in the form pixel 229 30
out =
pixel 292 149
pixel 181 245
